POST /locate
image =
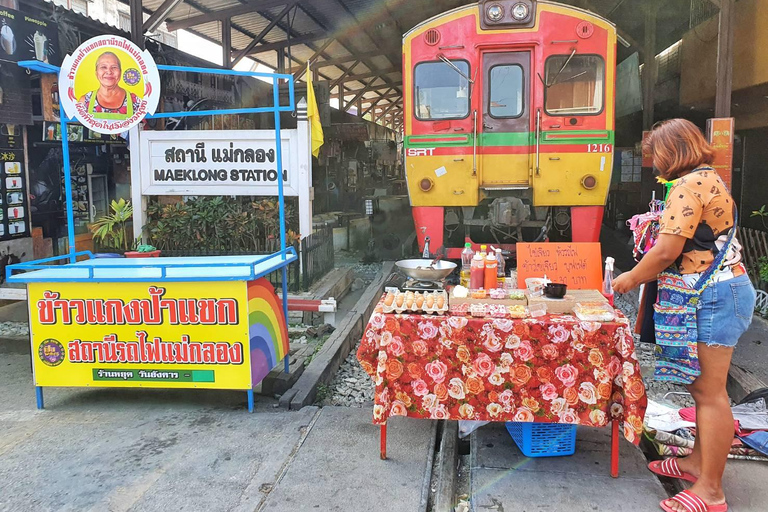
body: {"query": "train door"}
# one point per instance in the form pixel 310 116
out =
pixel 505 128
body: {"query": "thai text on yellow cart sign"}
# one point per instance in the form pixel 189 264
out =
pixel 140 335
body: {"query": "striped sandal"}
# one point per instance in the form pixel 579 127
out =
pixel 669 468
pixel 692 503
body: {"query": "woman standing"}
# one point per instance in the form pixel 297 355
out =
pixel 699 215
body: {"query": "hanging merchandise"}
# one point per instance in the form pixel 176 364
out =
pixel 645 229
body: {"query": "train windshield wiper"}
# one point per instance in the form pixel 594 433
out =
pixel 567 61
pixel 455 68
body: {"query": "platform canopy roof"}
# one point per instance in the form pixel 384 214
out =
pixel 357 43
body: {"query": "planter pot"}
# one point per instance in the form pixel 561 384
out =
pixel 137 254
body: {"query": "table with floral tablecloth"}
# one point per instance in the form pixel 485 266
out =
pixel 554 369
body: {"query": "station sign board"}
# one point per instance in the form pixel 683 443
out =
pixel 217 163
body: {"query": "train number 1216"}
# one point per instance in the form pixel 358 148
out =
pixel 599 148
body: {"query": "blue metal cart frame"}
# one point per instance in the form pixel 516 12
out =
pixel 167 269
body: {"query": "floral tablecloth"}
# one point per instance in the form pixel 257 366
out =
pixel 554 369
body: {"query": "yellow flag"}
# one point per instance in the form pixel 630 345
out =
pixel 314 116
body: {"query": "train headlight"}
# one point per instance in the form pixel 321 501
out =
pixel 520 11
pixel 495 12
pixel 589 182
pixel 426 184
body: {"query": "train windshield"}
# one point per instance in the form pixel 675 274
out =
pixel 441 90
pixel 574 84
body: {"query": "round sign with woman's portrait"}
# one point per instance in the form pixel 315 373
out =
pixel 109 84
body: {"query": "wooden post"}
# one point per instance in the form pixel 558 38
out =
pixel 724 75
pixel 137 23
pixel 649 66
pixel 280 60
pixel 226 43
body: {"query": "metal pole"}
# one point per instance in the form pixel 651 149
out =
pixel 68 185
pixel 281 200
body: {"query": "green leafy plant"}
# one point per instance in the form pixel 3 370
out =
pixel 763 262
pixel 763 214
pixel 111 229
pixel 234 225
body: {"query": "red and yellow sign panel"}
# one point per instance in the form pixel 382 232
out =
pixel 720 136
pixel 185 335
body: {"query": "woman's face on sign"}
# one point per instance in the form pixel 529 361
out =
pixel 108 70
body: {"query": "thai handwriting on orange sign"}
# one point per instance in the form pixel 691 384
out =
pixel 576 264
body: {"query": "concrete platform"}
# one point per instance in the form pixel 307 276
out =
pixel 338 467
pixel 503 479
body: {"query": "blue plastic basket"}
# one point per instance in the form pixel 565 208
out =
pixel 543 439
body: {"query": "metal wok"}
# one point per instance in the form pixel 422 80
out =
pixel 421 270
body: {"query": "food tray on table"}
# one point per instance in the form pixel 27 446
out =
pixel 416 302
pixel 594 312
pixel 565 305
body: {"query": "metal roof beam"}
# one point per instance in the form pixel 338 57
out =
pixel 245 51
pixel 319 51
pixel 342 60
pixel 368 88
pixel 374 73
pixel 386 111
pixel 248 7
pixel 266 47
pixel 369 21
pixel 376 101
pixel 159 16
pixel 345 75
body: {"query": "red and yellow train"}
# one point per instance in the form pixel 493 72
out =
pixel 509 123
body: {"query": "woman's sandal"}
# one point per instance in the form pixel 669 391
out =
pixel 692 503
pixel 670 469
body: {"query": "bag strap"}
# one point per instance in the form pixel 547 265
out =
pixel 707 275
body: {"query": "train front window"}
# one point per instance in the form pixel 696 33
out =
pixel 441 90
pixel 506 91
pixel 575 85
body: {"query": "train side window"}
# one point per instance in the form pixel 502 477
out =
pixel 575 85
pixel 506 91
pixel 441 92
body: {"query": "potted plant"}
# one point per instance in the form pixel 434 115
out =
pixel 143 251
pixel 111 229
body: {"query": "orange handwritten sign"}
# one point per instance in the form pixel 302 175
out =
pixel 579 265
pixel 720 136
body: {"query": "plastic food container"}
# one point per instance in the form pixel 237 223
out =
pixel 479 294
pixel 498 293
pixel 477 310
pixel 538 309
pixel 535 286
pixel 516 294
pixel 594 312
pixel 518 311
pixel 459 309
pixel 497 311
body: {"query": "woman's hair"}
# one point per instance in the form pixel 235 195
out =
pixel 677 146
pixel 119 64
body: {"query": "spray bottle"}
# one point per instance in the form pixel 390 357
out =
pixel 608 280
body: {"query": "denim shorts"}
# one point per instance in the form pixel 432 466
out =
pixel 725 311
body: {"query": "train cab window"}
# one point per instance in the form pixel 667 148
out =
pixel 506 91
pixel 575 85
pixel 441 90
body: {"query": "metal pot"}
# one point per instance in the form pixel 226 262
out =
pixel 421 270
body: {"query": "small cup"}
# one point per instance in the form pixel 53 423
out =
pixel 555 290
